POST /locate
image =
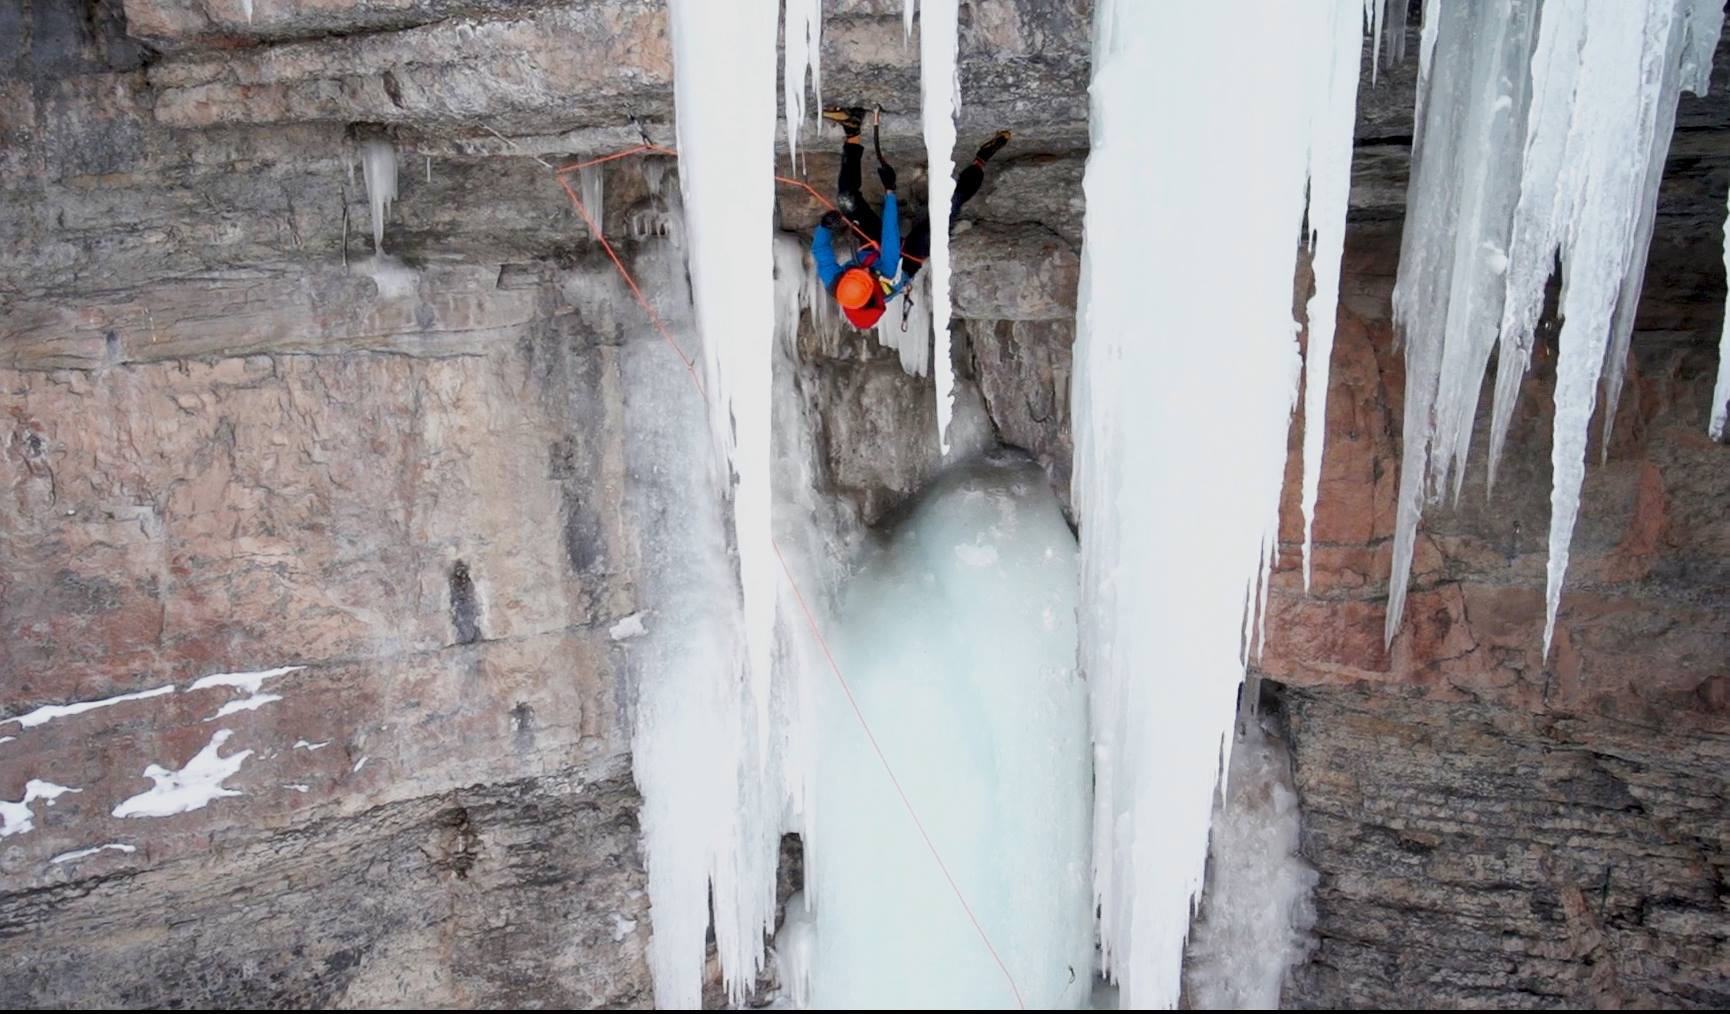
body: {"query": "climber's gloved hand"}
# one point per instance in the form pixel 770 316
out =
pixel 886 173
pixel 832 220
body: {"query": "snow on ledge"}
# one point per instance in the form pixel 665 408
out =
pixel 249 682
pixel 17 818
pixel 49 712
pixel 191 788
pixel 77 854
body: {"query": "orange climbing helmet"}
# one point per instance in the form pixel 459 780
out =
pixel 855 288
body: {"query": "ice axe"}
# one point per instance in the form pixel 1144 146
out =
pixel 877 134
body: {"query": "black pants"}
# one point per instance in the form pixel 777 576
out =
pixel 917 246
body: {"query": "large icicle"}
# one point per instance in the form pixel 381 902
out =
pixel 724 89
pixel 1694 35
pixel 940 92
pixel 1721 391
pixel 1333 113
pixel 1586 94
pixel 724 92
pixel 1182 406
pixel 802 32
pixel 1611 114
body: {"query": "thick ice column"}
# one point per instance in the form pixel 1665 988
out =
pixel 724 86
pixel 1182 405
pixel 691 748
pixel 703 751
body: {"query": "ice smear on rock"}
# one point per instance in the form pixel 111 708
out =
pixel 1257 913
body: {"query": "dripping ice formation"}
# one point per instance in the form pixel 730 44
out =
pixel 803 31
pixel 1694 31
pixel 592 181
pixel 957 636
pixel 378 168
pixel 1581 97
pixel 913 345
pixel 1170 585
pixel 940 91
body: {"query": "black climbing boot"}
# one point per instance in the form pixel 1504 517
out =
pixel 851 118
pixel 992 146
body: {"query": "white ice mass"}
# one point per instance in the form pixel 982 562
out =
pixel 1186 374
pixel 708 829
pixel 957 638
pixel 49 712
pixel 249 683
pixel 378 166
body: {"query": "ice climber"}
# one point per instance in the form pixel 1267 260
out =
pixel 882 269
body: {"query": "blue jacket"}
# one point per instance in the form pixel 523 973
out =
pixel 886 255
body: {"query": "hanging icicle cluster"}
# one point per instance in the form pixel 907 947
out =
pixel 1542 128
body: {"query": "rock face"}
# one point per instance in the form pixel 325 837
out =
pixel 232 441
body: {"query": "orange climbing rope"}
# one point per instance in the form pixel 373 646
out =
pixel 654 149
pixel 810 617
